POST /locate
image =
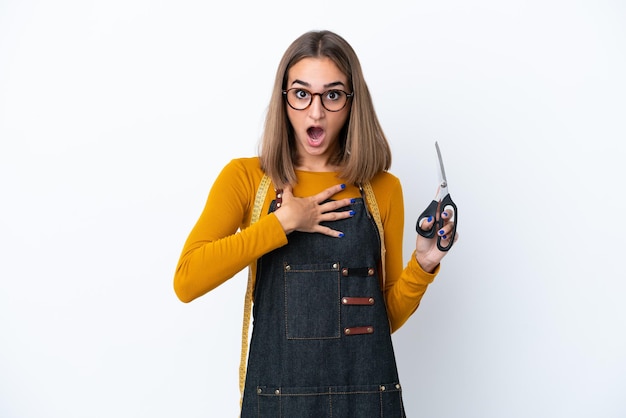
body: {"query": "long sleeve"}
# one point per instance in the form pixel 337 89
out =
pixel 222 243
pixel 405 285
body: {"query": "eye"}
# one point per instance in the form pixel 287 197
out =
pixel 334 95
pixel 301 94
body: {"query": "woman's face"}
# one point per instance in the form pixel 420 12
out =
pixel 316 128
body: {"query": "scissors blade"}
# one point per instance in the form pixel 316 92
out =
pixel 442 170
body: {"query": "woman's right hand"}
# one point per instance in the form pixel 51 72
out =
pixel 305 214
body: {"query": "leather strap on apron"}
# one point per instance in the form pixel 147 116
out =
pixel 247 308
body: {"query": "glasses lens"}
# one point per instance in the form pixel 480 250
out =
pixel 334 100
pixel 299 99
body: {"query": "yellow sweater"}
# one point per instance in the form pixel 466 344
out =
pixel 223 242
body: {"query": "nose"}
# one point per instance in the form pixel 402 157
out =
pixel 316 109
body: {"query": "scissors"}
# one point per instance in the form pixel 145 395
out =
pixel 441 202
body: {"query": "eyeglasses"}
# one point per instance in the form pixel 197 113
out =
pixel 333 100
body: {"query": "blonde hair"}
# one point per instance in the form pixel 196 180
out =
pixel 364 150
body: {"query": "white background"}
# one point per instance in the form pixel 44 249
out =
pixel 116 116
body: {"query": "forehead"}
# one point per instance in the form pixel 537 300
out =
pixel 315 72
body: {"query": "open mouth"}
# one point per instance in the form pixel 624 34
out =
pixel 315 133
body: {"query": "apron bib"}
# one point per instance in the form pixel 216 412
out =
pixel 321 343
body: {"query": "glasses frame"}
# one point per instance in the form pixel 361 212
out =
pixel 312 95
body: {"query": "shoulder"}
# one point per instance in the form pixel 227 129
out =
pixel 244 169
pixel 388 192
pixel 386 183
pixel 242 175
pixel 389 198
pixel 245 164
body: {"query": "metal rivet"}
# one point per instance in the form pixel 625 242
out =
pixel 279 195
pixel 347 331
pixel 382 388
pixel 397 385
pixel 287 267
pixel 277 205
pixel 344 301
pixel 259 390
pixel 335 266
pixel 370 330
pixel 277 391
pixel 371 301
pixel 344 271
pixel 370 271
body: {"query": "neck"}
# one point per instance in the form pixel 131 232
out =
pixel 319 168
pixel 320 163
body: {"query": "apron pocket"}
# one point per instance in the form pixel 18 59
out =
pixel 312 301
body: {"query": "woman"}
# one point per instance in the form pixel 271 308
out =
pixel 325 254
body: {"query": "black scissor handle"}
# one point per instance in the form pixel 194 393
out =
pixel 447 202
pixel 435 209
pixel 429 212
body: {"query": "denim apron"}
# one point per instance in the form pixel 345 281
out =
pixel 321 343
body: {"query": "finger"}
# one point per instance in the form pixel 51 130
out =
pixel 445 231
pixel 447 242
pixel 444 244
pixel 336 215
pixel 333 205
pixel 446 234
pixel 328 193
pixel 329 231
pixel 426 223
pixel 448 213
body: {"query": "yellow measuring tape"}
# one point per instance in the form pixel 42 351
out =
pixel 247 304
pixel 371 202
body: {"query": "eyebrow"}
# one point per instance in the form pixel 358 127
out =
pixel 304 83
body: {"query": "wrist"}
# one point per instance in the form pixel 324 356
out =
pixel 428 266
pixel 284 223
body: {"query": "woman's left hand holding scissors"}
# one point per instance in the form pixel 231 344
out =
pixel 427 253
pixel 432 245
